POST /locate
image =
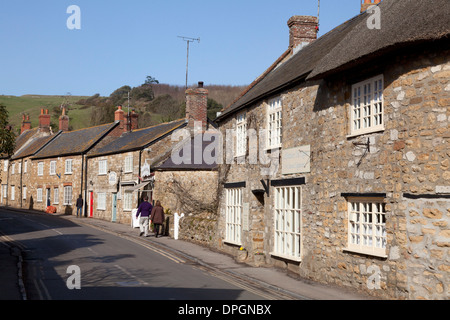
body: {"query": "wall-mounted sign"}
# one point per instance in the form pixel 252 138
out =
pixel 145 171
pixel 112 178
pixel 296 160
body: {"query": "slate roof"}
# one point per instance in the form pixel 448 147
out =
pixel 75 142
pixel 136 139
pixel 352 43
pixel 35 144
pixel 195 148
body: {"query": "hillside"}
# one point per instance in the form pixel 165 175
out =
pixel 82 109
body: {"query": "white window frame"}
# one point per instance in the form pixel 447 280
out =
pixel 241 134
pixel 24 192
pixel 40 169
pixel 5 191
pixel 25 166
pixel 68 195
pixel 234 208
pixel 101 200
pixel 56 196
pixel 128 166
pixel 274 123
pixel 367 226
pixel 128 201
pixel 39 195
pixel 13 193
pixel 68 166
pixel 102 167
pixel 52 169
pixel 288 222
pixel 13 168
pixel 5 165
pixel 367 107
pixel 19 169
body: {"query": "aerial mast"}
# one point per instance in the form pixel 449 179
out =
pixel 188 40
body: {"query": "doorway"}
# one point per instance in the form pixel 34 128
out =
pixel 114 207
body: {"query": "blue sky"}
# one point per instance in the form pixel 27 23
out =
pixel 122 42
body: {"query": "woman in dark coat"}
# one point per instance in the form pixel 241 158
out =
pixel 157 217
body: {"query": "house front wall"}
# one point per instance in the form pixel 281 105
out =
pixel 107 179
pixel 404 167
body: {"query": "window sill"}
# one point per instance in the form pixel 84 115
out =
pixel 357 134
pixel 367 252
pixel 232 243
pixel 286 257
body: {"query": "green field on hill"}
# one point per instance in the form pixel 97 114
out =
pixel 32 104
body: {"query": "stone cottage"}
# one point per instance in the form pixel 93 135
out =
pixel 119 168
pixel 340 166
pixel 17 169
pixel 186 181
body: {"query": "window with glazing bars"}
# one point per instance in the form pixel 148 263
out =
pixel 367 226
pixel 274 138
pixel 233 215
pixel 288 220
pixel 367 106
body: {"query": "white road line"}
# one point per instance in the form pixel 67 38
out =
pixel 131 275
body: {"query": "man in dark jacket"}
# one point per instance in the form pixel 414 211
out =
pixel 144 210
pixel 79 206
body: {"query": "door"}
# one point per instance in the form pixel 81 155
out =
pixel 114 207
pixel 47 197
pixel 91 204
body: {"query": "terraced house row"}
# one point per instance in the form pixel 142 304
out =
pixel 334 167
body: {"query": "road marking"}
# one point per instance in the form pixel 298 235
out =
pixel 131 275
pixel 7 239
pixel 154 249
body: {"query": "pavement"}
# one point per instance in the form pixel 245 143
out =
pixel 221 264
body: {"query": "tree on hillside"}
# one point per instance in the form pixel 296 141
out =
pixel 150 80
pixel 7 138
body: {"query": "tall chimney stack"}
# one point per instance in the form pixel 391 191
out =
pixel 365 4
pixel 196 106
pixel 64 121
pixel 302 30
pixel 119 116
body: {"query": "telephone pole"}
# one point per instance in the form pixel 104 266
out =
pixel 188 40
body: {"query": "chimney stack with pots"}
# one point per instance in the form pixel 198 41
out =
pixel 26 124
pixel 44 120
pixel 196 106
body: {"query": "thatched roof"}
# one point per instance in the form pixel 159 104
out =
pixel 353 43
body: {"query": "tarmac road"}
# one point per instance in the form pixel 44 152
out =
pixel 115 263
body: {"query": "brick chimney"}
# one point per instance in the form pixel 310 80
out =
pixel 44 120
pixel 132 121
pixel 302 30
pixel 119 115
pixel 365 4
pixel 64 121
pixel 26 124
pixel 196 106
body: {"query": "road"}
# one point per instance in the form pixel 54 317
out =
pixel 65 260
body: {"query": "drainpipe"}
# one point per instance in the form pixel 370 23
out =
pixel 139 174
pixel 82 176
pixel 21 183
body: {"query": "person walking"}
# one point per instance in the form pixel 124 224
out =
pixel 157 217
pixel 144 210
pixel 79 206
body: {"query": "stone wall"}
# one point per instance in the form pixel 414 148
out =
pixel 194 193
pixel 405 162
